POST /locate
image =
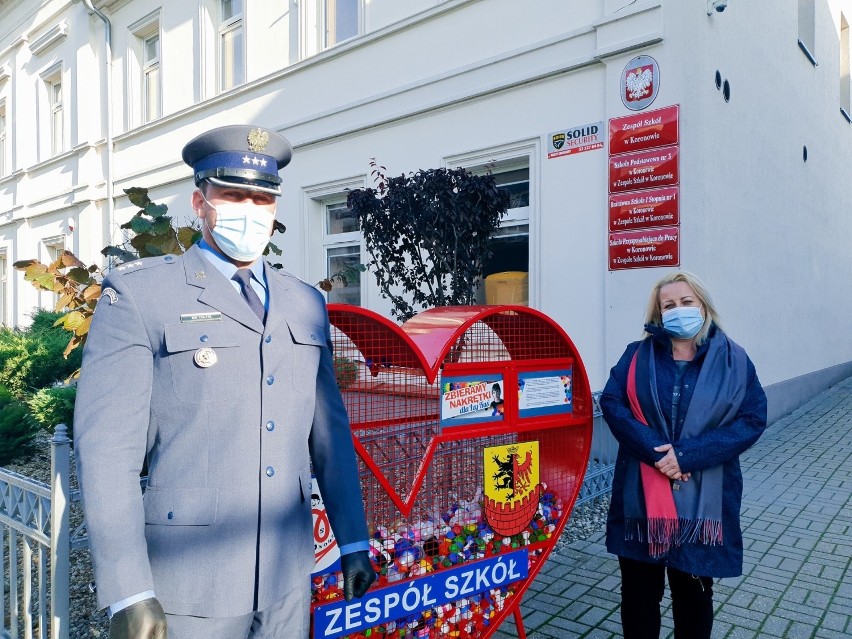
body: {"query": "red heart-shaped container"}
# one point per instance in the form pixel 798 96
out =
pixel 467 484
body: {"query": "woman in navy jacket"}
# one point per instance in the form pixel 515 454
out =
pixel 684 402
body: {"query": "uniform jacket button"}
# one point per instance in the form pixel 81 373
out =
pixel 270 425
pixel 270 380
pixel 270 471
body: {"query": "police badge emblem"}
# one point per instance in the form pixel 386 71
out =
pixel 205 357
pixel 257 140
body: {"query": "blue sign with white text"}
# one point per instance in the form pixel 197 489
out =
pixel 414 596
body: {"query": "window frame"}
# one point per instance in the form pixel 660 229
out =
pixel 316 201
pixel 4 139
pixel 54 111
pixel 227 26
pixel 343 240
pixel 150 67
pixel 52 243
pixel 4 287
pixel 315 26
pixel 506 157
pixel 137 90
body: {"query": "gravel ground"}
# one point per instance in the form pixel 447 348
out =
pixel 87 622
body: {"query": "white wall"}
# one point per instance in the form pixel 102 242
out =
pixel 434 80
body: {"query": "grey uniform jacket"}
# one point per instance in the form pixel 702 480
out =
pixel 228 446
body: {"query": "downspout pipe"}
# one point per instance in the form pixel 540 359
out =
pixel 110 195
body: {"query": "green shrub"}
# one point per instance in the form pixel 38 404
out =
pixel 52 406
pixel 17 428
pixel 346 372
pixel 33 358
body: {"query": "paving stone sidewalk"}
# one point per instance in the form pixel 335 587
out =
pixel 797 526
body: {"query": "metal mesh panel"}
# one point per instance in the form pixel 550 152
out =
pixel 508 336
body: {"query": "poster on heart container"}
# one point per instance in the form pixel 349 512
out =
pixel 544 393
pixel 465 400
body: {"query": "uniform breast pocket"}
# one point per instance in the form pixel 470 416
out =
pixel 308 342
pixel 205 363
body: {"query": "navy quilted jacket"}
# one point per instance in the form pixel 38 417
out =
pixel 717 446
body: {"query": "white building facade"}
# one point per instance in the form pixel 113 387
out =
pixel 100 95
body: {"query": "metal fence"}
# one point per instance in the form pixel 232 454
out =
pixel 37 539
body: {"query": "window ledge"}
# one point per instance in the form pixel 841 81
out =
pixel 52 37
pixel 846 115
pixel 808 54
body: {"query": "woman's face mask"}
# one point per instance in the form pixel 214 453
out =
pixel 683 322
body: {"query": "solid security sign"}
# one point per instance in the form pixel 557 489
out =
pixel 414 596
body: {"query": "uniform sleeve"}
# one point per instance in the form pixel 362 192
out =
pixel 719 445
pixel 637 438
pixel 110 434
pixel 333 455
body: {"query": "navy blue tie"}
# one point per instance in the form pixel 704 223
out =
pixel 243 278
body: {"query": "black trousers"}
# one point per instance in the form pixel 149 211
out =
pixel 642 586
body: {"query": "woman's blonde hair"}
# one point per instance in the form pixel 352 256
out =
pixel 653 314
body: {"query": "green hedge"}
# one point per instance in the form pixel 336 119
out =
pixel 17 428
pixel 52 406
pixel 32 358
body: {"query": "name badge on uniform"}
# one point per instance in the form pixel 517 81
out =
pixel 205 357
pixel 186 318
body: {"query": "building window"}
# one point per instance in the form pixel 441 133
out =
pixel 341 21
pixel 807 29
pixel 151 105
pixel 144 71
pixel 329 22
pixel 2 139
pixel 54 247
pixel 232 64
pixel 845 85
pixel 514 244
pixel 57 129
pixel 510 245
pixel 3 277
pixel 342 243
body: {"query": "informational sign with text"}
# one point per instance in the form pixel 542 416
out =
pixel 642 131
pixel 416 595
pixel 643 170
pixel 545 392
pixel 644 248
pixel 644 209
pixel 575 140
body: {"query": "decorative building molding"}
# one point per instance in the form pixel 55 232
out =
pixel 50 38
pixel 5 72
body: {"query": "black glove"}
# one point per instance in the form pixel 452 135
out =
pixel 358 574
pixel 143 620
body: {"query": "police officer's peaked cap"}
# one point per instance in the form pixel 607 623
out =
pixel 239 156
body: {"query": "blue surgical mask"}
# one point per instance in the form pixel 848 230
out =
pixel 242 229
pixel 683 322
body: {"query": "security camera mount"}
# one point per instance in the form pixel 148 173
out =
pixel 716 5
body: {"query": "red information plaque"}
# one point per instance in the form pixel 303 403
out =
pixel 643 170
pixel 642 131
pixel 644 248
pixel 644 209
